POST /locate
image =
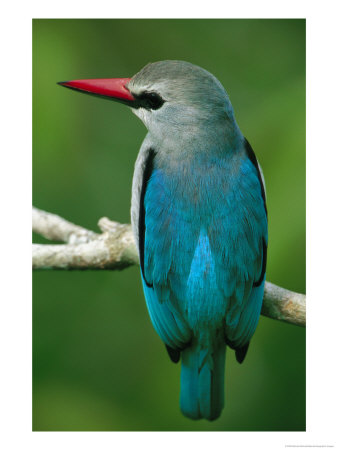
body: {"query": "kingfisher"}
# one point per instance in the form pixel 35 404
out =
pixel 199 218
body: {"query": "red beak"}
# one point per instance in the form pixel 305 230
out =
pixel 111 88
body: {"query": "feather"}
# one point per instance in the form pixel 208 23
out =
pixel 202 382
pixel 206 259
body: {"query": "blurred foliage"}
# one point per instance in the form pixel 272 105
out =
pixel 98 364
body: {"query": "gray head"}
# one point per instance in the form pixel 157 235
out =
pixel 176 100
pixel 182 97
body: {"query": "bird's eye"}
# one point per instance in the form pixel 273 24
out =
pixel 155 101
pixel 150 100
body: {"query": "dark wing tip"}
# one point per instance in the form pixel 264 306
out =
pixel 241 353
pixel 174 354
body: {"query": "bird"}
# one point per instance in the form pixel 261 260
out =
pixel 199 218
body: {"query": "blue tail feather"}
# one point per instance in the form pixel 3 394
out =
pixel 202 382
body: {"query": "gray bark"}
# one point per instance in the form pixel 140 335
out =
pixel 115 249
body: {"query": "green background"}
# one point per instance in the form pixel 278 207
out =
pixel 97 362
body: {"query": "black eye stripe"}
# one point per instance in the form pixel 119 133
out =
pixel 149 100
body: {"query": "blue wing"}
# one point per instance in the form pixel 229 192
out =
pixel 243 252
pixel 155 249
pixel 203 244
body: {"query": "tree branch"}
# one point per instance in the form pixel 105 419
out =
pixel 115 249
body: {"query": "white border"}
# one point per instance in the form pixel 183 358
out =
pixel 321 224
